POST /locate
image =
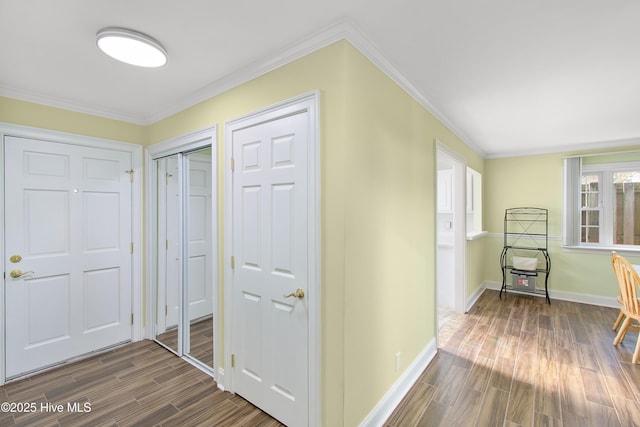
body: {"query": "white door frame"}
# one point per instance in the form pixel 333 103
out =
pixel 46 135
pixel 305 102
pixel 459 227
pixel 180 144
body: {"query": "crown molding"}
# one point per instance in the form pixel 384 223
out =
pixel 67 104
pixel 267 63
pixel 343 29
pixel 575 148
pixel 339 30
pixel 374 54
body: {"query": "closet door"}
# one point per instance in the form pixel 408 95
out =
pixel 185 270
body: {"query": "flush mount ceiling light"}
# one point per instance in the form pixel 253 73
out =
pixel 131 47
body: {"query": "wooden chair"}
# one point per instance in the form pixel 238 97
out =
pixel 621 314
pixel 629 284
pixel 620 317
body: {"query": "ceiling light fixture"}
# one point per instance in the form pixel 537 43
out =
pixel 131 47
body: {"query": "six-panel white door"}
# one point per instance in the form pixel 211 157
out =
pixel 270 331
pixel 68 217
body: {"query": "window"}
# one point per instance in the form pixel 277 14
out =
pixel 602 201
pixel 590 208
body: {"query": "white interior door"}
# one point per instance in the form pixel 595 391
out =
pixel 68 224
pixel 270 249
pixel 200 291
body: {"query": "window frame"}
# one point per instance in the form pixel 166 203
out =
pixel 574 170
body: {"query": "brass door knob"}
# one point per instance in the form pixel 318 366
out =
pixel 299 293
pixel 17 273
pixel 15 258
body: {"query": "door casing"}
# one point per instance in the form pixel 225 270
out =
pixel 8 129
pixel 310 103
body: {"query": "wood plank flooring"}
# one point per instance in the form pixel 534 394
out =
pixel 511 362
pixel 140 384
pixel 521 362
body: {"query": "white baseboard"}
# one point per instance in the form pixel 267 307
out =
pixel 565 296
pixel 385 407
pixel 474 297
pixel 220 379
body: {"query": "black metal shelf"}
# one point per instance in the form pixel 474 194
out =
pixel 532 224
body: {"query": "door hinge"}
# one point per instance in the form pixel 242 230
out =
pixel 166 310
pixel 130 172
pixel 167 244
pixel 233 164
pixel 132 318
pixel 233 262
pixel 233 360
pixel 131 247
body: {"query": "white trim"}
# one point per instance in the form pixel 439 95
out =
pixel 180 144
pixel 340 30
pixel 8 129
pixel 309 102
pixel 609 153
pixel 357 38
pixel 473 298
pixel 187 142
pixel 476 235
pixel 611 167
pixel 563 295
pixel 271 61
pixel 597 145
pixel 137 237
pixel 220 379
pixel 385 407
pixel 623 250
pixel 71 105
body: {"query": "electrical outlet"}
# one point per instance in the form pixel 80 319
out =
pixel 398 361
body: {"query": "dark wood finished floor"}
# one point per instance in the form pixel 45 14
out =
pixel 511 362
pixel 521 362
pixel 140 384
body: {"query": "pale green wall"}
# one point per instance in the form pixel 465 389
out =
pixel 390 169
pixel 537 181
pixel 389 235
pixel 41 116
pixel 378 192
pixel 377 207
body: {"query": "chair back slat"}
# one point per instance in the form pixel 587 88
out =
pixel 628 282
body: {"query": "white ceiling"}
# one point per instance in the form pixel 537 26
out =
pixel 507 76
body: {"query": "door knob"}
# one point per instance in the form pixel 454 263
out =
pixel 15 258
pixel 17 273
pixel 299 293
